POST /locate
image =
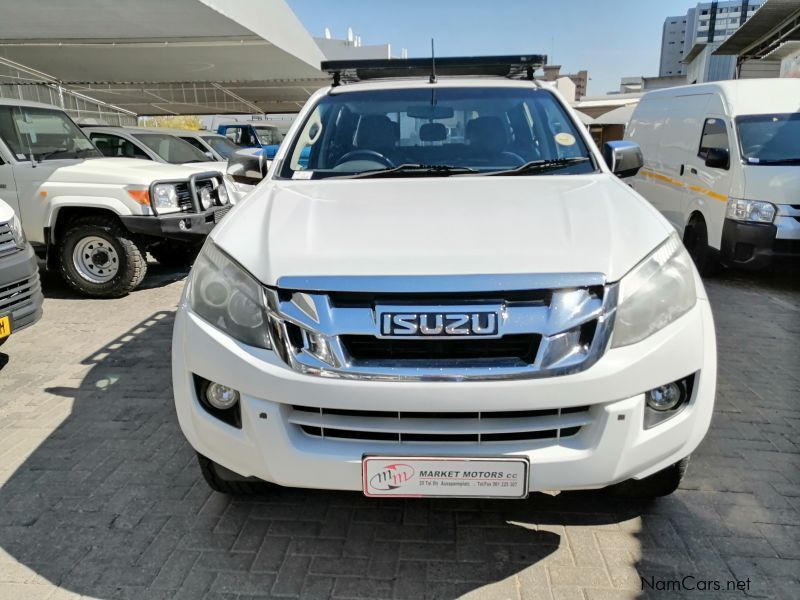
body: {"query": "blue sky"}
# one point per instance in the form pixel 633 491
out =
pixel 609 38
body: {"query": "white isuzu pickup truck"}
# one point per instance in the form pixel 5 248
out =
pixel 454 295
pixel 94 218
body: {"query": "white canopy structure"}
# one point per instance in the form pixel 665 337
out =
pixel 156 57
pixel 618 116
pixel 585 119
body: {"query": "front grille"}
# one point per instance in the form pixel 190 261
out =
pixel 521 347
pixel 18 294
pixel 185 200
pixel 7 243
pixel 184 197
pixel 440 427
pixel 545 325
pixel 221 212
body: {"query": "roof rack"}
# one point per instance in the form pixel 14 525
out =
pixel 500 66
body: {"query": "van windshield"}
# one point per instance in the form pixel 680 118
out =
pixel 770 139
pixel 437 132
pixel 268 135
pixel 43 134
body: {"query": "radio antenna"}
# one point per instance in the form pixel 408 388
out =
pixel 433 65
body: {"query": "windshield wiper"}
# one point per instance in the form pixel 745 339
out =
pixel 47 155
pixel 412 169
pixel 538 166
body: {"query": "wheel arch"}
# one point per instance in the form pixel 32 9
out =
pixel 63 213
pixel 65 208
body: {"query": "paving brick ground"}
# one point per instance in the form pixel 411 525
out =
pixel 101 496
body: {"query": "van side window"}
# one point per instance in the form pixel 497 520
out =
pixel 715 135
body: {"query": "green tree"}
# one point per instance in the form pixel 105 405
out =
pixel 175 122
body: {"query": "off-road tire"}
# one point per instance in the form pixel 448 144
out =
pixel 662 483
pixel 695 238
pixel 175 255
pixel 213 474
pixel 132 264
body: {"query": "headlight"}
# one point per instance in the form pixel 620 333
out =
pixel 655 293
pixel 228 297
pixel 16 232
pixel 165 198
pixel 755 211
pixel 206 201
pixel 222 193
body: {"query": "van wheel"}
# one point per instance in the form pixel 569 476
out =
pixel 232 485
pixel 658 484
pixel 98 257
pixel 695 238
pixel 175 254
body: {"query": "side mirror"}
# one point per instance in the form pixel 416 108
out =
pixel 248 166
pixel 718 158
pixel 623 158
pixel 209 156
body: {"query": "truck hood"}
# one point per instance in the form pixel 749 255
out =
pixel 437 226
pixel 778 184
pixel 211 165
pixel 122 171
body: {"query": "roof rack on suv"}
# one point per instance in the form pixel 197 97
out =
pixel 500 66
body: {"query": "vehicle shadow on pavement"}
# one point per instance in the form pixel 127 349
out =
pixel 53 286
pixel 112 505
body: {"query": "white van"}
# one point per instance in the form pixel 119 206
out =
pixel 722 164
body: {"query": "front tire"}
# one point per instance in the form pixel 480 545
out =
pixel 99 257
pixel 662 483
pixel 695 238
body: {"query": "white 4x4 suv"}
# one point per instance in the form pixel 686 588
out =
pixel 458 296
pixel 95 218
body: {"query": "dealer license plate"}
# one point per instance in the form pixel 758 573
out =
pixel 5 327
pixel 416 476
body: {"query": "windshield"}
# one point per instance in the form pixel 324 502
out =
pixel 43 133
pixel 171 149
pixel 770 139
pixel 268 135
pixel 449 130
pixel 221 145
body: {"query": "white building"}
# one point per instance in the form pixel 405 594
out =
pixel 673 37
pixel 688 42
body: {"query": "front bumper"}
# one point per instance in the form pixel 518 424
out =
pixel 756 245
pixel 185 226
pixel 20 289
pixel 613 448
